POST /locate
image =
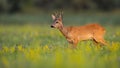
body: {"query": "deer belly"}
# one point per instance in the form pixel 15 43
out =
pixel 85 37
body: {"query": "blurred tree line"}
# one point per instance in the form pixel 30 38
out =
pixel 12 6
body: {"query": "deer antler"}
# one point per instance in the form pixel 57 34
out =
pixel 58 13
pixel 61 13
pixel 55 13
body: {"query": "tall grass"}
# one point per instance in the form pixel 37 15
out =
pixel 36 46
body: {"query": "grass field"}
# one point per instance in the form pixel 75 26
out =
pixel 39 46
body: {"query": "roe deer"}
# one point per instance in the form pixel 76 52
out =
pixel 74 34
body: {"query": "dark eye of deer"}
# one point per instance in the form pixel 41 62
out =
pixel 56 22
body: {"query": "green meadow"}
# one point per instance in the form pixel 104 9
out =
pixel 27 41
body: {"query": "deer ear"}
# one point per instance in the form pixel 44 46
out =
pixel 53 17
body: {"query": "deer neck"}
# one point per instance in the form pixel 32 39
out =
pixel 63 30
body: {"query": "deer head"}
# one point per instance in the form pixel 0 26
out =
pixel 57 20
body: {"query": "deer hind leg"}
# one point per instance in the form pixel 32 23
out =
pixel 100 40
pixel 95 42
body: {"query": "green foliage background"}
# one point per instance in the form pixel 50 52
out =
pixel 27 41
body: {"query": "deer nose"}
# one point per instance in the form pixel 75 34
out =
pixel 52 26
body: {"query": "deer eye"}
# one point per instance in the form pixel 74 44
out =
pixel 56 22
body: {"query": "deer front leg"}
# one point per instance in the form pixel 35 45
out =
pixel 73 42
